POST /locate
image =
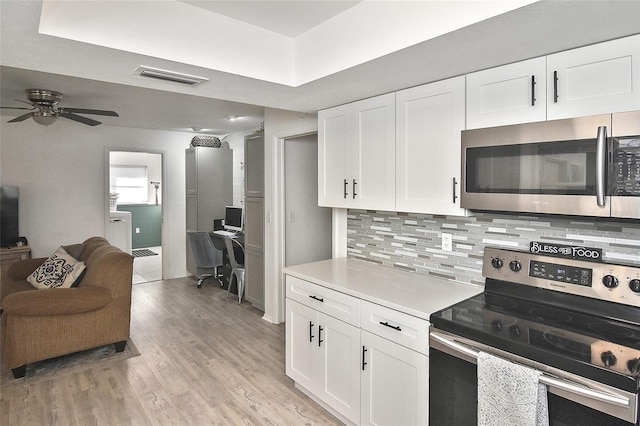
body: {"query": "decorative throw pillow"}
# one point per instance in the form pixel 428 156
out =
pixel 59 271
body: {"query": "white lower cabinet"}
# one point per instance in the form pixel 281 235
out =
pixel 323 358
pixel 365 362
pixel 395 383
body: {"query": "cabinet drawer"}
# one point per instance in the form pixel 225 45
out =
pixel 396 326
pixel 325 300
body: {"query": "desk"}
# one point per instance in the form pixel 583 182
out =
pixel 12 255
pixel 218 242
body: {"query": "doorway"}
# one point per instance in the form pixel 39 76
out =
pixel 308 227
pixel 135 185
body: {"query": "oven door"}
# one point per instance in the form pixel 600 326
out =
pixel 557 167
pixel 572 400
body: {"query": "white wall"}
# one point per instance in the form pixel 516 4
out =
pixel 60 170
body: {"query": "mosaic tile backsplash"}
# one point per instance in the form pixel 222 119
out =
pixel 413 242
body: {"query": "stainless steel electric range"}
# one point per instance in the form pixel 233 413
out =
pixel 575 321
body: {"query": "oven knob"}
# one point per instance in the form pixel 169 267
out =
pixel 496 325
pixel 514 331
pixel 608 358
pixel 496 262
pixel 515 266
pixel 634 285
pixel 634 365
pixel 610 281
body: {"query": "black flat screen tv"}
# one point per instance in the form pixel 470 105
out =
pixel 9 231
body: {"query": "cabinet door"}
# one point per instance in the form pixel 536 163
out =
pixel 338 366
pixel 372 179
pixel 395 384
pixel 254 278
pixel 597 79
pixel 254 224
pixel 429 120
pixel 254 165
pixel 191 171
pixel 511 94
pixel 301 343
pixel 334 133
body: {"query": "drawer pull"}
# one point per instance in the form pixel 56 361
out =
pixel 386 324
pixel 319 299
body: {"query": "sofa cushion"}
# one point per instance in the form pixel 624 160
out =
pixel 59 271
pixel 74 250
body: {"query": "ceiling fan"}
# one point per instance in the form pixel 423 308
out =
pixel 45 110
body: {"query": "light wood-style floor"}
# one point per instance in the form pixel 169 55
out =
pixel 204 360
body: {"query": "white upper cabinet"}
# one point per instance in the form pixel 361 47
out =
pixel 597 79
pixel 334 155
pixel 356 154
pixel 401 151
pixel 429 121
pixel 511 94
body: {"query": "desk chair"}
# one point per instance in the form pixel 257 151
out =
pixel 236 268
pixel 206 255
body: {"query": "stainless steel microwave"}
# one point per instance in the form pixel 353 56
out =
pixel 587 166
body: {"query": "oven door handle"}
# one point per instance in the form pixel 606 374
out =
pixel 544 378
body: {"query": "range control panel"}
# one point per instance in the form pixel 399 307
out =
pixel 604 281
pixel 560 273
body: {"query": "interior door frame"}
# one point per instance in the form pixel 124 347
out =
pixel 163 165
pixel 275 219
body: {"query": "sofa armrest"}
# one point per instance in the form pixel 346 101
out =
pixel 56 301
pixel 21 269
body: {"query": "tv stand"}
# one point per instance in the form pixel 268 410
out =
pixel 12 255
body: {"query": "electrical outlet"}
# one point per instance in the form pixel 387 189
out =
pixel 447 242
pixel 138 231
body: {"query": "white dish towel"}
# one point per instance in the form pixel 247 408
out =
pixel 509 394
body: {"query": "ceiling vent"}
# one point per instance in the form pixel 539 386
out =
pixel 177 77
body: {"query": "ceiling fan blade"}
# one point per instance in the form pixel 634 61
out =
pixel 20 118
pixel 90 111
pixel 78 118
pixel 26 102
pixel 28 109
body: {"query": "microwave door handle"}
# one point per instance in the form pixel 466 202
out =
pixel 601 158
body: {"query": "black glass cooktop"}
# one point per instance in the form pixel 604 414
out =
pixel 593 346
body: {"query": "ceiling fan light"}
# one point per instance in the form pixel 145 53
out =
pixel 44 118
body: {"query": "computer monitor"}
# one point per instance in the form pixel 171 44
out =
pixel 233 218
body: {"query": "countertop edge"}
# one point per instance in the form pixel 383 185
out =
pixel 347 275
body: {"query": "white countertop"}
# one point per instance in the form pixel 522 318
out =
pixel 415 294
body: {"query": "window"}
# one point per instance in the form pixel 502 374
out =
pixel 130 183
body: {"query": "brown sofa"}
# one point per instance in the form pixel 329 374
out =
pixel 41 324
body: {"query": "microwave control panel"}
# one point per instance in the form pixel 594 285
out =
pixel 626 167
